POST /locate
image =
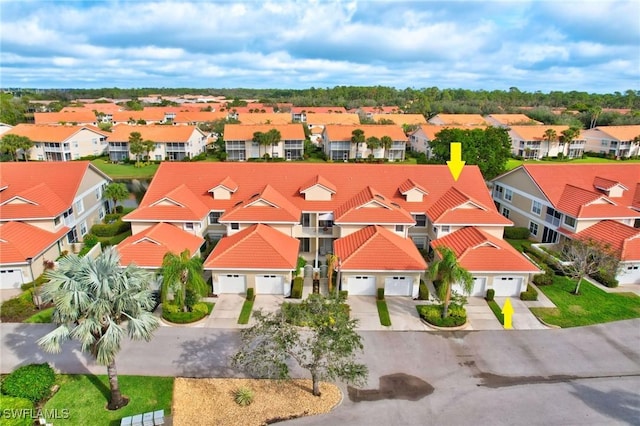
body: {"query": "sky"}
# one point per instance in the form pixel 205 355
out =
pixel 542 45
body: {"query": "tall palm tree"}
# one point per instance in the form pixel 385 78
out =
pixel 446 269
pixel 357 137
pixel 98 303
pixel 373 143
pixel 386 143
pixel 550 135
pixel 181 273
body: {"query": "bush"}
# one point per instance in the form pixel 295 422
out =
pixel 301 263
pixel 497 311
pixel 119 209
pixel 191 298
pixel 90 240
pixel 381 293
pixel 32 382
pixel 18 308
pixel 170 308
pixel 530 294
pixel 296 291
pixel 251 296
pixel 38 282
pixel 423 291
pixel 546 278
pixel 343 294
pixel 516 233
pixel 433 315
pixel 111 229
pixel 490 295
pixel 13 404
pixel 243 396
pixel 201 307
pixel 245 313
pixel 111 217
pixel 180 317
pixel 605 279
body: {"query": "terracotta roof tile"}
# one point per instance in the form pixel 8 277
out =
pixel 272 118
pixel 156 133
pixel 198 116
pixel 621 133
pixel 460 119
pixel 266 206
pixel 19 241
pixel 227 183
pixel 605 184
pixel 376 248
pixel 343 132
pixel 370 206
pixel 80 116
pixel 147 248
pixel 408 185
pixel 455 207
pixel 318 110
pixel 178 204
pixel 478 251
pixel 146 115
pixel 318 180
pixel 49 133
pixel 401 119
pixel 623 239
pixel 244 132
pixel 514 119
pixel 256 247
pixel 535 133
pixel 333 118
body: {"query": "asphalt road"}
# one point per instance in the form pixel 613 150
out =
pixel 586 376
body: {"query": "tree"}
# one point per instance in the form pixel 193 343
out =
pixel 272 137
pixel 11 143
pixel 326 346
pixel 99 303
pixel 373 143
pixel 182 273
pixel 116 192
pixel 258 137
pixel 567 136
pixel 446 270
pixel 550 135
pixel 148 146
pixel 586 257
pixel 386 143
pixel 357 137
pixel 135 146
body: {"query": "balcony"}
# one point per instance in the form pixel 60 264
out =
pixel 327 231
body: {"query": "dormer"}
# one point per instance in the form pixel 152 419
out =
pixel 609 187
pixel 166 201
pixel 318 189
pixel 18 200
pixel 224 189
pixel 412 192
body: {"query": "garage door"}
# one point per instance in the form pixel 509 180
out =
pixel 507 286
pixel 362 286
pixel 478 289
pixel 269 284
pixel 231 283
pixel 630 275
pixel 10 278
pixel 398 286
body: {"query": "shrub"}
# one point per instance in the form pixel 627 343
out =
pixel 530 294
pixel 170 308
pixel 251 296
pixel 200 307
pixel 18 308
pixel 38 282
pixel 301 263
pixel 546 278
pixel 296 291
pixel 605 279
pixel 381 293
pixel 111 229
pixel 497 311
pixel 110 217
pixel 243 396
pixel 490 295
pixel 423 291
pixel 119 209
pixel 343 294
pixel 90 240
pixel 13 404
pixel 180 317
pixel 191 298
pixel 433 315
pixel 32 382
pixel 516 233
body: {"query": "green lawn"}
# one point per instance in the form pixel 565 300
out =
pixel 43 316
pixel 245 313
pixel 512 163
pixel 383 313
pixel 125 171
pixel 592 306
pixel 85 396
pixel 519 244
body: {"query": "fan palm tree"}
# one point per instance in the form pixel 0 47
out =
pixel 99 303
pixel 357 137
pixel 181 273
pixel 447 271
pixel 550 135
pixel 386 143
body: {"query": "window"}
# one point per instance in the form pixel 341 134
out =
pixel 305 245
pixel 632 268
pixel 83 228
pixel 508 194
pixel 214 217
pixel 446 228
pixel 536 207
pixel 79 205
pixel 499 190
pixel 399 228
pixel 158 157
pixel 235 225
pixel 72 236
pixel 188 226
pixel 505 212
pixel 56 221
pixel 421 220
pixel 101 213
pixel 533 228
pixel 569 221
pixel 420 242
pixel 98 193
pixel 604 143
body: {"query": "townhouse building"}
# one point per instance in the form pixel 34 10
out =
pixel 240 145
pixel 508 120
pixel 172 143
pixel 458 120
pixel 45 209
pixel 300 113
pixel 73 117
pixel 337 145
pixel 533 142
pixel 616 141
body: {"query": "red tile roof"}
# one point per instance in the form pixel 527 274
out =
pixel 227 183
pixel 621 133
pixel 146 115
pixel 461 119
pixel 455 207
pixel 431 130
pixel 270 118
pixel 147 248
pixel 514 119
pixel 178 204
pixel 266 206
pixel 623 239
pixel 244 132
pixel 535 133
pixel 258 108
pixel 561 182
pixel 19 241
pixel 258 247
pixel 156 133
pixel 36 189
pixel 318 110
pixel 478 251
pixel 408 185
pixel 50 133
pixel 370 206
pixel 333 118
pixel 401 119
pixel 321 181
pixel 198 116
pixel 375 248
pixel 343 132
pixel 80 116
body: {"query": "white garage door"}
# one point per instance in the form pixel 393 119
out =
pixel 269 284
pixel 630 274
pixel 398 286
pixel 10 278
pixel 362 286
pixel 478 289
pixel 507 286
pixel 231 284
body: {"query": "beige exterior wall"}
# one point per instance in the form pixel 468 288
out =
pixel 82 144
pixel 520 179
pixel 317 193
pixel 494 231
pixel 221 194
pixel 137 227
pixel 414 196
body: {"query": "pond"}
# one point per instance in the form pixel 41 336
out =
pixel 137 188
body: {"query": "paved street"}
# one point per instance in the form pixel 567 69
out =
pixel 588 375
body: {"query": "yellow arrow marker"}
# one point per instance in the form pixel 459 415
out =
pixel 456 164
pixel 507 311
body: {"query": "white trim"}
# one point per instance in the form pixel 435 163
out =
pixel 519 192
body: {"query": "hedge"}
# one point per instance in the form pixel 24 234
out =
pixel 605 279
pixel 530 294
pixel 544 258
pixel 296 290
pixel 433 315
pixel 383 313
pixel 380 294
pixel 423 291
pixel 15 405
pixel 497 311
pixel 490 295
pixel 516 233
pixel 172 313
pixel 111 229
pixel 32 382
pixel 115 240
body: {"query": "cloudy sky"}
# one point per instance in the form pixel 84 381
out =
pixel 549 45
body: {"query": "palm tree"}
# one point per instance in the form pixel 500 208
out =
pixel 149 146
pixel 135 146
pixel 258 137
pixel 550 135
pixel 99 303
pixel 386 143
pixel 11 143
pixel 181 273
pixel 373 143
pixel 116 191
pixel 357 137
pixel 272 137
pixel 447 271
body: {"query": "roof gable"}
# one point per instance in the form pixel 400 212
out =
pixel 20 241
pixel 266 206
pixel 370 206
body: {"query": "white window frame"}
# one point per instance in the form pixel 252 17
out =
pixel 564 221
pixel 83 228
pixel 508 194
pixel 235 226
pixel 79 206
pixel 399 228
pixel 506 212
pixel 536 207
pixel 533 226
